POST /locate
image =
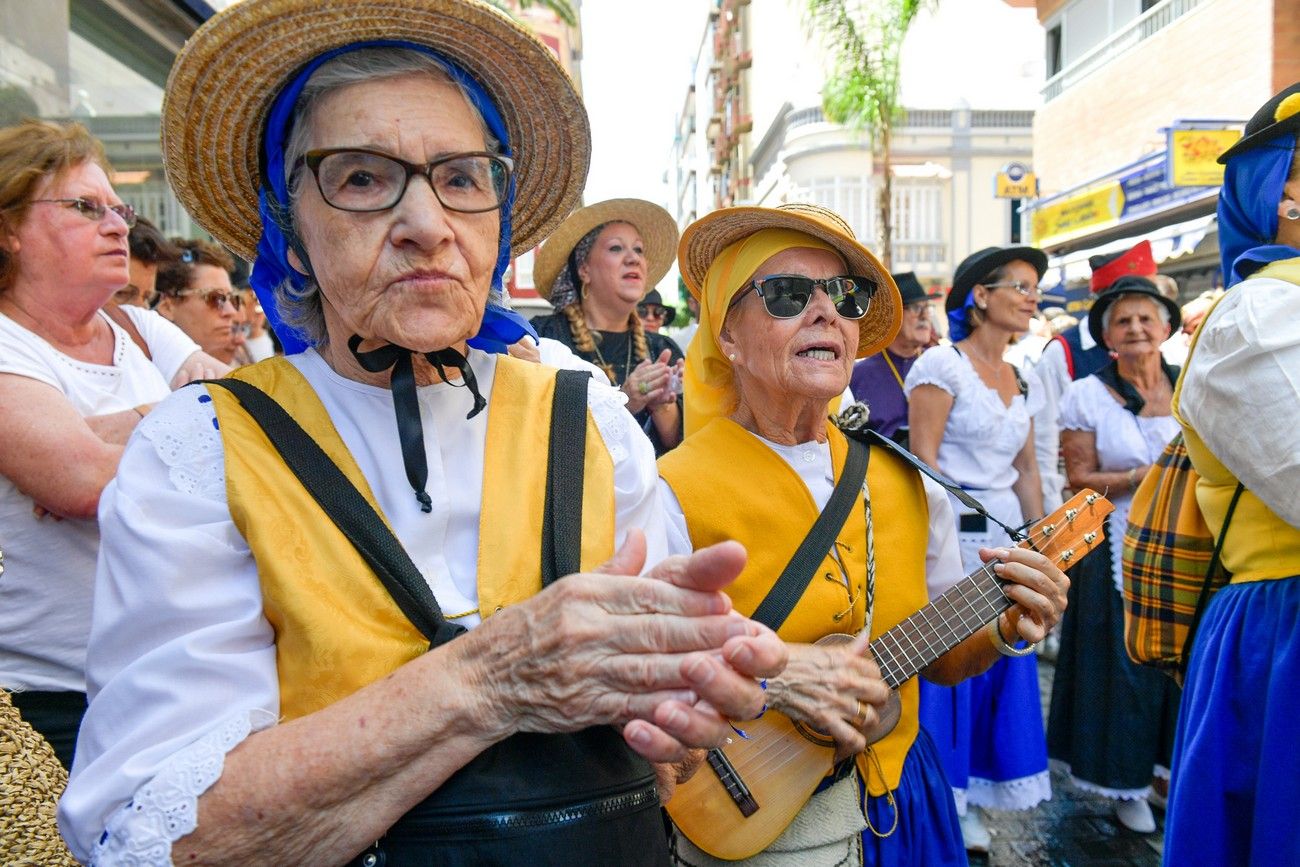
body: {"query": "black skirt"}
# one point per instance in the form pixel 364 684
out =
pixel 1111 720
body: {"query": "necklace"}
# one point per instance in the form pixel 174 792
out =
pixel 627 360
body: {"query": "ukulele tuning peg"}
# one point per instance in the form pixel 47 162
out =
pixel 1090 499
pixel 1048 529
pixel 1089 538
pixel 1067 556
pixel 1071 514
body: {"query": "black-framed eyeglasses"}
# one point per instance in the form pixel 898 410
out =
pixel 362 181
pixel 787 295
pixel 1024 287
pixel 215 297
pixel 93 210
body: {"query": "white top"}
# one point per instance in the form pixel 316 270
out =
pixel 1124 442
pixel 1051 378
pixel 180 671
pixel 1241 390
pixel 812 462
pixel 983 435
pixel 50 564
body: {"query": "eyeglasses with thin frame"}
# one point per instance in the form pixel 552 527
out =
pixel 92 210
pixel 215 297
pixel 785 296
pixel 917 308
pixel 364 181
pixel 130 294
pixel 1024 287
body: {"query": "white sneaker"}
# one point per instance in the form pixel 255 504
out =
pixel 1136 815
pixel 974 832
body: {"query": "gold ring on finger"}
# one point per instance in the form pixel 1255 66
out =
pixel 860 715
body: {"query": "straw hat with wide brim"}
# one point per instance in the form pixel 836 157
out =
pixel 230 71
pixel 708 236
pixel 656 226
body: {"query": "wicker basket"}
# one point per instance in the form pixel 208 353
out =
pixel 31 781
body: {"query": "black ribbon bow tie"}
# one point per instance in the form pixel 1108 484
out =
pixel 406 405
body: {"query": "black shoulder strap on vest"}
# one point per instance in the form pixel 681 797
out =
pixel 562 518
pixel 1210 585
pixel 348 509
pixel 790 587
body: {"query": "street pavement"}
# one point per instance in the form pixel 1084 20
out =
pixel 1074 828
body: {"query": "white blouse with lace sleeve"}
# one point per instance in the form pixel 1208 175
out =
pixel 182 660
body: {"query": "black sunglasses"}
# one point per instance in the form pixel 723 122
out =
pixel 787 295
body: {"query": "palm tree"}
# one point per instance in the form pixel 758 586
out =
pixel 565 9
pixel 865 38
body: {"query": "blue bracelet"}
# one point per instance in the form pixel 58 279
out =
pixel 762 684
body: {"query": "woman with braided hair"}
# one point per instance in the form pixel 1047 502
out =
pixel 594 270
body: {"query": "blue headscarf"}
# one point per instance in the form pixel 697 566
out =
pixel 500 327
pixel 1252 187
pixel 959 319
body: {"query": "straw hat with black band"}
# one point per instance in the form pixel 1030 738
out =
pixel 1122 287
pixel 712 256
pixel 213 142
pixel 656 226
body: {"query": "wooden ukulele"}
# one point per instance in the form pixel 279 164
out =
pixel 753 788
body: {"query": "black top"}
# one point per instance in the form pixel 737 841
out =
pixel 615 348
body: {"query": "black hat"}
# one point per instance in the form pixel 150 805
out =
pixel 1278 116
pixel 1129 286
pixel 653 297
pixel 981 263
pixel 910 288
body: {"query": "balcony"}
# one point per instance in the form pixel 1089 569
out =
pixel 1146 25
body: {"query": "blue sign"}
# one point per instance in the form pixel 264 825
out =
pixel 1148 190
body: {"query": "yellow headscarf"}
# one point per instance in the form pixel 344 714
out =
pixel 709 386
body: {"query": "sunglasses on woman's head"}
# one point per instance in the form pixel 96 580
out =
pixel 787 295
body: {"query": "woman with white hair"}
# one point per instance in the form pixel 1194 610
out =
pixel 1112 721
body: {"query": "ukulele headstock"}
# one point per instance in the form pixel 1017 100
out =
pixel 1073 530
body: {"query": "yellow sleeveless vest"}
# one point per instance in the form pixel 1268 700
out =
pixel 1260 545
pixel 336 627
pixel 732 486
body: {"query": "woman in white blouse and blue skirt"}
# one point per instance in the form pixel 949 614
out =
pixel 1112 721
pixel 969 413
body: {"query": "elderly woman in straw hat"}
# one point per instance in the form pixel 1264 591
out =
pixel 322 635
pixel 788 299
pixel 595 270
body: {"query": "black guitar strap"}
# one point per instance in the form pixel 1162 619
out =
pixel 790 587
pixel 852 421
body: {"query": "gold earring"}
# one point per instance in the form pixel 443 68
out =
pixel 582 290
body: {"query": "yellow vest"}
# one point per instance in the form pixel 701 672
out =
pixel 336 627
pixel 732 486
pixel 1260 546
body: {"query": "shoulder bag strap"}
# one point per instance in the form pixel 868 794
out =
pixel 562 517
pixel 1204 598
pixel 118 315
pixel 348 509
pixel 790 587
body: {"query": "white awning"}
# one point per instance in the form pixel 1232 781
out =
pixel 1167 242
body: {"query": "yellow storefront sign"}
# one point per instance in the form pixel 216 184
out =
pixel 1078 214
pixel 1194 154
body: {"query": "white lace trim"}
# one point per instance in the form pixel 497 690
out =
pixel 165 809
pixel 1019 794
pixel 1160 772
pixel 609 409
pixel 184 434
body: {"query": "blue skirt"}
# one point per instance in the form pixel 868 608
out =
pixel 1235 787
pixel 989 732
pixel 927 831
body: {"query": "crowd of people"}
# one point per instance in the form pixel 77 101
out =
pixel 343 561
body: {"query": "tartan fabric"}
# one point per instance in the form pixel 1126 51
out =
pixel 1167 551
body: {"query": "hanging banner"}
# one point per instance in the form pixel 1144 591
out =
pixel 1194 155
pixel 1078 214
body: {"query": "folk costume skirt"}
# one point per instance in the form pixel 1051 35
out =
pixel 1235 789
pixel 1111 720
pixel 989 729
pixel 928 832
